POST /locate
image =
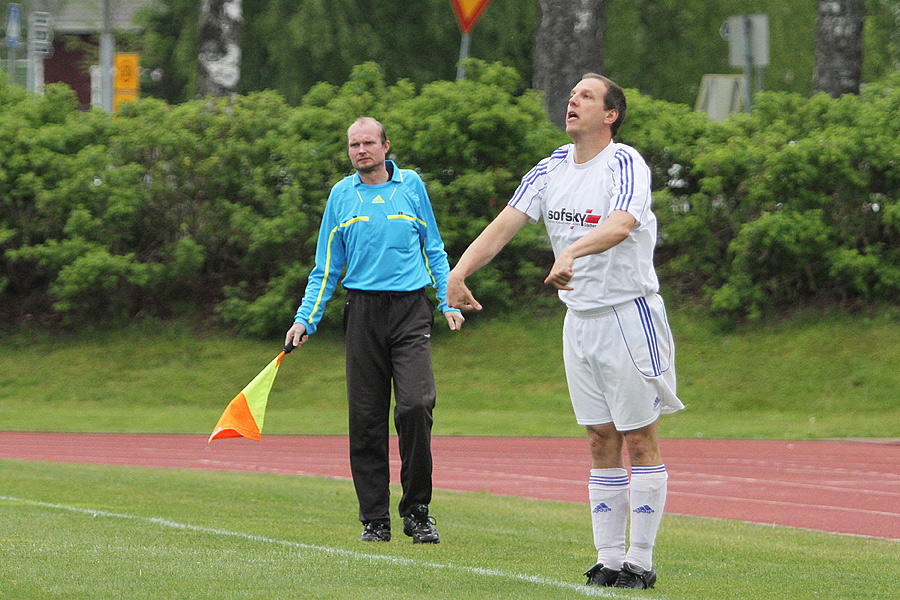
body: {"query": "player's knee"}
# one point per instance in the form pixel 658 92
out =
pixel 643 449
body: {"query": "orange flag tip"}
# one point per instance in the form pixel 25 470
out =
pixel 236 421
pixel 244 415
pixel 222 433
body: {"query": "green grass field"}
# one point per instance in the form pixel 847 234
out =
pixel 97 532
pixel 823 377
pixel 73 532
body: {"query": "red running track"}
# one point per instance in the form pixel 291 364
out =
pixel 843 487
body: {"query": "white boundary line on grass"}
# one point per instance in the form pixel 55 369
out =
pixel 580 589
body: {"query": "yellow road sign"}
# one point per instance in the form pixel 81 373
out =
pixel 120 96
pixel 127 71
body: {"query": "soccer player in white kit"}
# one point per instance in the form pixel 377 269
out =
pixel 594 198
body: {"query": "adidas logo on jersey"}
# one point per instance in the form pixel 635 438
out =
pixel 378 200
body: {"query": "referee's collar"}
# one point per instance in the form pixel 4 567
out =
pixel 393 170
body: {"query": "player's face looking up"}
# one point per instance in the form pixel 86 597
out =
pixel 586 111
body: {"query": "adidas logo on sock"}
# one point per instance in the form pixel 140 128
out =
pixel 644 510
pixel 602 508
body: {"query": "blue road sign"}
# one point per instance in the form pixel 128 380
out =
pixel 13 26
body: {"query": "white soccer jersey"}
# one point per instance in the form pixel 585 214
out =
pixel 573 198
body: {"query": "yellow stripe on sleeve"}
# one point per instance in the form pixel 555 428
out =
pixel 328 263
pixel 428 267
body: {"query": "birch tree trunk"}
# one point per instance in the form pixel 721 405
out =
pixel 219 41
pixel 839 47
pixel 569 42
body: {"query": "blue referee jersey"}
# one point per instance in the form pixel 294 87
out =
pixel 387 237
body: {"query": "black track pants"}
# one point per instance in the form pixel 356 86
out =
pixel 388 340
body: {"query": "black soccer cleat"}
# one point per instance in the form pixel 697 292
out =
pixel 632 576
pixel 601 576
pixel 376 532
pixel 419 525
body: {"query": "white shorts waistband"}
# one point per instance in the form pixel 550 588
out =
pixel 600 311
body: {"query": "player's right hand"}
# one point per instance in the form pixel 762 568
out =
pixel 459 296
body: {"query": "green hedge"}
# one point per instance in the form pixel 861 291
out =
pixel 212 207
pixel 793 205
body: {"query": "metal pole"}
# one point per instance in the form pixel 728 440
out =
pixel 29 64
pixel 11 64
pixel 39 75
pixel 107 49
pixel 463 55
pixel 748 60
pixel 30 55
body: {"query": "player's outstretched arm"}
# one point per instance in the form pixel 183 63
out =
pixel 479 253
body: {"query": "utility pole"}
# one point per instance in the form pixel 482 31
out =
pixel 107 52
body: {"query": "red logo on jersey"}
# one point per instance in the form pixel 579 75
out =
pixel 564 215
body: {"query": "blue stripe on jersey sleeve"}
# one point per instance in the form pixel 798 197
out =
pixel 626 180
pixel 535 175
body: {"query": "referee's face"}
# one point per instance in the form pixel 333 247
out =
pixel 367 151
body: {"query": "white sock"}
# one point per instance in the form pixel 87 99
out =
pixel 648 498
pixel 608 492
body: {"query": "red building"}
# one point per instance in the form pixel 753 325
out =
pixel 83 19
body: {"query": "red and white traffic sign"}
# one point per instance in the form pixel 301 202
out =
pixel 468 11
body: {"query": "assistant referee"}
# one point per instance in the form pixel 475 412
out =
pixel 379 223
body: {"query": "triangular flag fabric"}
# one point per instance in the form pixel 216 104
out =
pixel 243 417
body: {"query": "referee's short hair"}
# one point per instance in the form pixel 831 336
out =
pixel 370 121
pixel 614 98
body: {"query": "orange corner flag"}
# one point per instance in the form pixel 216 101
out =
pixel 243 417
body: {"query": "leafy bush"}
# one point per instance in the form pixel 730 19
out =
pixel 792 204
pixel 213 206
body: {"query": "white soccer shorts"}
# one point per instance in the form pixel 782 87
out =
pixel 620 364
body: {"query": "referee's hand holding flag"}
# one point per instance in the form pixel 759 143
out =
pixel 296 336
